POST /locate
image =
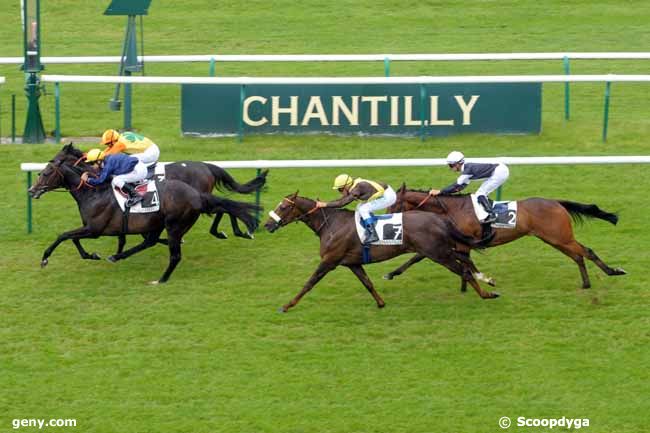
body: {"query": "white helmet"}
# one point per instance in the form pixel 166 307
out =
pixel 455 157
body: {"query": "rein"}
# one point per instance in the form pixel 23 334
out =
pixel 309 212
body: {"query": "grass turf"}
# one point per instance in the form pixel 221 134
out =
pixel 208 351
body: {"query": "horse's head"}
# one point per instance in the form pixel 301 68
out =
pixel 54 174
pixel 399 205
pixel 290 209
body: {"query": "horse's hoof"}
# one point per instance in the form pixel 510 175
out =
pixel 491 282
pixel 495 295
pixel 381 305
pixel 44 263
pixel 249 235
pixel 94 256
pixel 154 282
pixel 281 310
pixel 619 271
pixel 388 277
pixel 112 259
pixel 221 235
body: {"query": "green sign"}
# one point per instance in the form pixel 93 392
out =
pixel 388 109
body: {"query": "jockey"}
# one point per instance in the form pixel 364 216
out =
pixel 375 196
pixel 131 143
pixel 124 168
pixel 494 174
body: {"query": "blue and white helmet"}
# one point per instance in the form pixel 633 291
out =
pixel 455 157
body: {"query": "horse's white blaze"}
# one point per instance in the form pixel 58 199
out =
pixel 275 216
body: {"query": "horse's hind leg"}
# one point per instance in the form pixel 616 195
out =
pixel 365 280
pixel 174 255
pixel 463 269
pixel 237 231
pixel 150 239
pixel 591 255
pixel 214 229
pixel 577 253
pixel 413 260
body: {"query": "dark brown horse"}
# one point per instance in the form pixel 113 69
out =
pixel 180 207
pixel 424 233
pixel 549 220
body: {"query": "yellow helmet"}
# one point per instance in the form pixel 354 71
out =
pixel 109 137
pixel 94 155
pixel 342 180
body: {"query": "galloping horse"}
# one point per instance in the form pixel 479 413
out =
pixel 424 233
pixel 180 207
pixel 549 220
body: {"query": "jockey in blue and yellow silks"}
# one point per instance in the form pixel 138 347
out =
pixel 374 196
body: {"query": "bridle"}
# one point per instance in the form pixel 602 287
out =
pixel 302 216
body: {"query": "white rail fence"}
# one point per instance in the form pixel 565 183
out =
pixel 30 167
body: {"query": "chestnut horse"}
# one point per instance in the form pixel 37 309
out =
pixel 424 233
pixel 549 220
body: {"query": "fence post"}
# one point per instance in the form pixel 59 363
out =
pixel 13 118
pixel 606 116
pixel 386 67
pixel 57 112
pixel 566 89
pixel 213 68
pixel 29 202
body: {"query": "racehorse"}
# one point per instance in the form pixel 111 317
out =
pixel 549 220
pixel 180 207
pixel 205 177
pixel 424 233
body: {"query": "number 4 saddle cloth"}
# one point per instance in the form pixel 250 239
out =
pixel 506 212
pixel 148 189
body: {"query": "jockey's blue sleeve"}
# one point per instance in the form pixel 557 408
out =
pixel 107 170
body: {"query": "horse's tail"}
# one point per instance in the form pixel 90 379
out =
pixel 224 180
pixel 578 211
pixel 242 211
pixel 462 238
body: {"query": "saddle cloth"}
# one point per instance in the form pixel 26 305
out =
pixel 389 228
pixel 506 212
pixel 148 190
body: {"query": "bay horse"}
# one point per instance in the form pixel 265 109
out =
pixel 549 220
pixel 180 207
pixel 424 233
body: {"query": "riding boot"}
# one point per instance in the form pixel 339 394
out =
pixel 371 233
pixel 485 202
pixel 134 198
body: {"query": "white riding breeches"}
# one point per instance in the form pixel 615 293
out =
pixel 139 172
pixel 386 200
pixel 497 179
pixel 149 156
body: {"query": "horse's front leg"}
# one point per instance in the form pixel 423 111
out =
pixel 322 269
pixel 83 253
pixel 214 229
pixel 413 260
pixel 82 232
pixel 121 242
pixel 365 280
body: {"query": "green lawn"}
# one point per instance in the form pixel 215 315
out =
pixel 208 352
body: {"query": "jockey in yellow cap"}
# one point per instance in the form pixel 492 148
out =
pixel 131 143
pixel 124 168
pixel 374 196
